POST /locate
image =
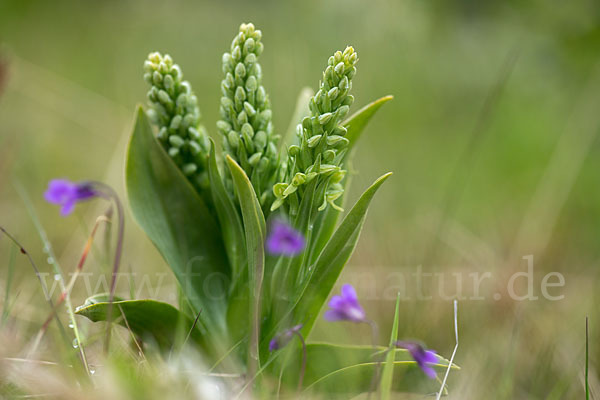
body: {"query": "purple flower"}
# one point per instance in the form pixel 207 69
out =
pixel 283 338
pixel 422 356
pixel 345 307
pixel 67 194
pixel 283 239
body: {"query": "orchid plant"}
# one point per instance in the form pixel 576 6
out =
pixel 253 231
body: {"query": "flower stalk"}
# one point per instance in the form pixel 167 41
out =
pixel 174 110
pixel 245 124
pixel 282 339
pixel 68 194
pixel 321 144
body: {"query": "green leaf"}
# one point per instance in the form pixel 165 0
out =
pixel 284 277
pixel 178 222
pixel 327 268
pixel 151 320
pixel 229 217
pixel 255 231
pixel 388 369
pixel 333 258
pixel 326 220
pixel 357 122
pixel 350 369
pixel 100 298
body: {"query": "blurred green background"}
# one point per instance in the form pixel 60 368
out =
pixel 492 138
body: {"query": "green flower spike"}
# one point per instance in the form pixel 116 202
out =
pixel 245 123
pixel 174 110
pixel 322 144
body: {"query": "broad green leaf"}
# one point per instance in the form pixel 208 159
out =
pixel 387 373
pixel 350 369
pixel 149 319
pixel 255 231
pixel 328 267
pixel 178 222
pixel 300 111
pixel 357 122
pixel 100 298
pixel 229 217
pixel 333 258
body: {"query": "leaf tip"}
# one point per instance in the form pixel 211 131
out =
pixel 384 177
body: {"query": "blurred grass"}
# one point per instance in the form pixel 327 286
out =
pixel 529 184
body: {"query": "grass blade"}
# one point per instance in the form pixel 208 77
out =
pixel 387 374
pixel 11 269
pixel 334 368
pixel 58 273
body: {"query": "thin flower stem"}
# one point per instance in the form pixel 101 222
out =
pixel 303 365
pixel 57 271
pixel 109 193
pixel 439 394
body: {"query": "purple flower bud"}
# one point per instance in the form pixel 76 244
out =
pixel 285 240
pixel 67 194
pixel 422 356
pixel 345 307
pixel 282 339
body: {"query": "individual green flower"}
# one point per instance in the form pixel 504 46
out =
pixel 321 142
pixel 174 110
pixel 245 123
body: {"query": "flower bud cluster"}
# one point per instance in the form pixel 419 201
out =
pixel 174 109
pixel 245 124
pixel 321 137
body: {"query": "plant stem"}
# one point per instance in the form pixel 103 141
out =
pixel 109 193
pixel 303 365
